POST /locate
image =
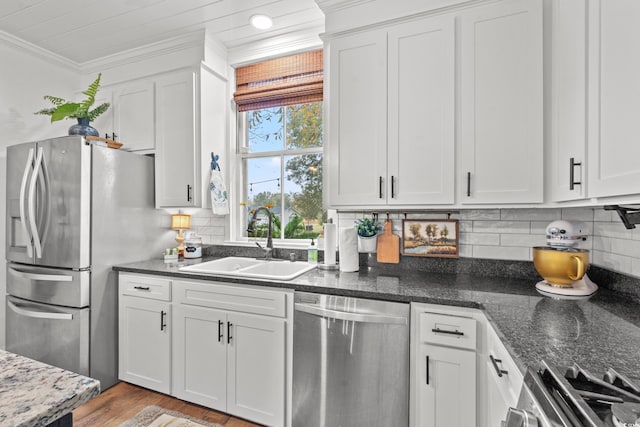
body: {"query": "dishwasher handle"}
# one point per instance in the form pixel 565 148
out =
pixel 317 310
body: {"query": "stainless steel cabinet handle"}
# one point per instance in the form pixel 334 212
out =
pixel 495 362
pixel 444 331
pixel 43 277
pixel 229 325
pixel 163 316
pixel 39 314
pixel 220 334
pixel 572 167
pixel 23 192
pixel 343 315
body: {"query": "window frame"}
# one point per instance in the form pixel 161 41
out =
pixel 239 214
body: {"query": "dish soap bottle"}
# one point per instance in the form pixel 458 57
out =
pixel 312 254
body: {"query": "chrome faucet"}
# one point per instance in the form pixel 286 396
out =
pixel 250 229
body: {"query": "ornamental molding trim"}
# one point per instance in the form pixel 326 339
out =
pixel 39 52
pixel 152 50
pixel 331 6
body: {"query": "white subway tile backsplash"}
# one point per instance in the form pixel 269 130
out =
pixel 501 252
pixel 635 267
pixel 601 215
pixel 613 229
pixel 465 251
pixel 501 226
pixel 522 240
pixel 489 239
pixel 539 227
pixel 485 214
pixel 578 214
pixel 530 214
pixel 619 263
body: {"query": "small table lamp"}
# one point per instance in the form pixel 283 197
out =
pixel 180 222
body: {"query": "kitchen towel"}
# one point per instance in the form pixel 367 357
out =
pixel 219 199
pixel 348 243
pixel 330 244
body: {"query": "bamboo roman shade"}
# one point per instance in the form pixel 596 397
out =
pixel 282 81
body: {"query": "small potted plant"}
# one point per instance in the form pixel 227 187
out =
pixel 367 229
pixel 63 109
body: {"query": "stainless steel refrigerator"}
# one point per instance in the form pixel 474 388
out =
pixel 75 209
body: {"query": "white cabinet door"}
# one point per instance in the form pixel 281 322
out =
pixel 200 356
pixel 104 122
pixel 257 368
pixel 145 342
pixel 614 98
pixel 446 391
pixel 176 171
pixel 134 115
pixel 565 162
pixel 421 111
pixel 499 400
pixel 501 127
pixel 357 125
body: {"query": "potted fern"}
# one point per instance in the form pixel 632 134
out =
pixel 367 229
pixel 63 109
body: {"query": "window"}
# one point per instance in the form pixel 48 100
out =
pixel 280 146
pixel 281 152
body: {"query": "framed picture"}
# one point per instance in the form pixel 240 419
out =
pixel 429 237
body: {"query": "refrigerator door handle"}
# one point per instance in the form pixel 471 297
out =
pixel 39 314
pixel 23 191
pixel 32 203
pixel 44 277
pixel 43 178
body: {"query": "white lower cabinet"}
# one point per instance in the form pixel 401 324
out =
pixel 443 367
pixel 227 349
pixel 502 382
pixel 144 338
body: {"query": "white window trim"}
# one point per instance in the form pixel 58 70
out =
pixel 238 179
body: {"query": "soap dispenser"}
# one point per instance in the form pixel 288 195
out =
pixel 312 254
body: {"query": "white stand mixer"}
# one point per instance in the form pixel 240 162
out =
pixel 561 264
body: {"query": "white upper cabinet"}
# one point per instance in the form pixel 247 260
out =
pixel 134 118
pixel 565 161
pixel 392 115
pixel 176 175
pixel 614 98
pixel 357 146
pixel 501 128
pixel 421 112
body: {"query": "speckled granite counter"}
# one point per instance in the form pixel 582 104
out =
pixel 601 332
pixel 34 394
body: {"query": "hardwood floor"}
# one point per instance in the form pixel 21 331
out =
pixel 122 401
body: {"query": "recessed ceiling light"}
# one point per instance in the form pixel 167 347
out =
pixel 261 22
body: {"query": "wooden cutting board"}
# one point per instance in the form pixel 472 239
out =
pixel 388 245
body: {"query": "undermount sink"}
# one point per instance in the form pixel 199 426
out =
pixel 251 268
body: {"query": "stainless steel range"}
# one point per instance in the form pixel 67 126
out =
pixel 575 397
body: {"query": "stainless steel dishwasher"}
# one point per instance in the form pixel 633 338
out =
pixel 350 362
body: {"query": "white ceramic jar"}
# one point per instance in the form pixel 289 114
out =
pixel 192 246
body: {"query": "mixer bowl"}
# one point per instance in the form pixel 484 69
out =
pixel 560 266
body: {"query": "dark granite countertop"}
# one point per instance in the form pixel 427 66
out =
pixel 598 333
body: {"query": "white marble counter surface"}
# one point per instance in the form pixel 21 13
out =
pixel 34 394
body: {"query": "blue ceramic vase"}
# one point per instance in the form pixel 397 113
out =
pixel 83 128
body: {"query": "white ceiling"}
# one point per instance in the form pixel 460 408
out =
pixel 83 30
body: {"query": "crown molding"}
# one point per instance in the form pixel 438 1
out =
pixel 151 50
pixel 332 6
pixel 39 52
pixel 273 47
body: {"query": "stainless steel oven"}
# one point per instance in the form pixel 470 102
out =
pixel 574 397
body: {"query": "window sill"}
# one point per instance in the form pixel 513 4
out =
pixel 301 244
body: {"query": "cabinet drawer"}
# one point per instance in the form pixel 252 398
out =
pixel 235 298
pixel 509 376
pixel 145 287
pixel 448 330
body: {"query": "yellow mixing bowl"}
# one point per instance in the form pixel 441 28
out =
pixel 562 266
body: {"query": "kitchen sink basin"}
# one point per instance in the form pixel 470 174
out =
pixel 251 268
